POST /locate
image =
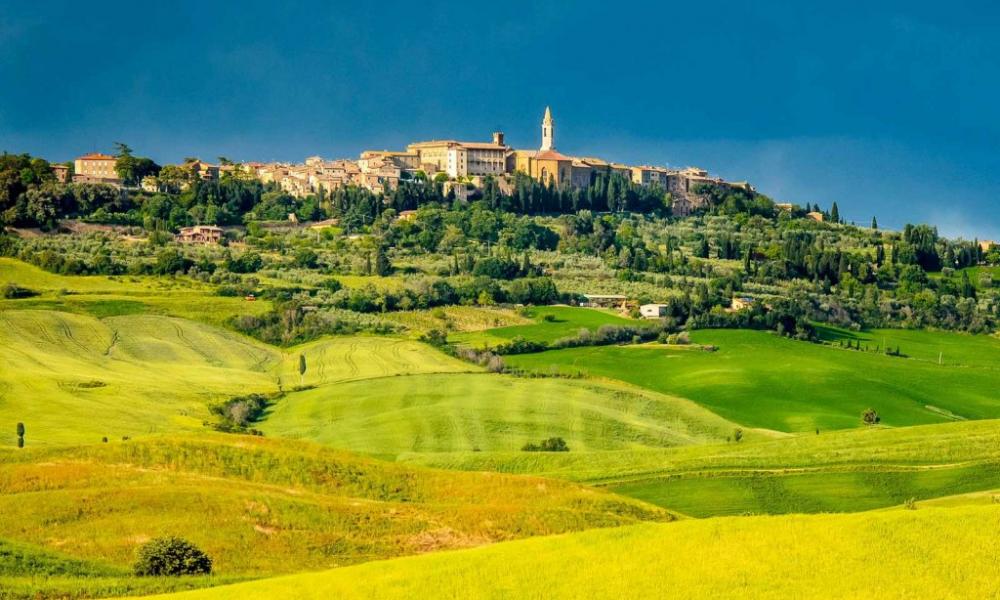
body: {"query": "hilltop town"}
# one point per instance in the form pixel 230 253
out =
pixel 462 167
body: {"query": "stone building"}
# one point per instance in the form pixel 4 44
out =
pixel 95 168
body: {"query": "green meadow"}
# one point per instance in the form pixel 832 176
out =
pixel 763 380
pixel 840 471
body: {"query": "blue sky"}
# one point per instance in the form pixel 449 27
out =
pixel 890 110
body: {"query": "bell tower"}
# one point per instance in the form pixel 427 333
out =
pixel 548 131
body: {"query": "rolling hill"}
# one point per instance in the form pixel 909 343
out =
pixel 763 380
pixel 926 553
pixel 489 412
pixel 261 506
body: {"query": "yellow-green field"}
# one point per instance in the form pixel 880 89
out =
pixel 74 378
pixel 261 507
pixel 763 426
pixel 926 553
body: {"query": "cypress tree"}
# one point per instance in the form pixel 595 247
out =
pixel 874 223
pixel 835 213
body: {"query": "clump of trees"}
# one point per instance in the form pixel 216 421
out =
pixel 171 556
pixel 237 414
pixel 870 417
pixel 20 435
pixel 552 444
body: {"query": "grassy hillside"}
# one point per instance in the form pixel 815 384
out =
pixel 466 412
pixel 763 380
pixel 551 323
pixel 932 553
pixel 105 296
pixel 73 378
pixel 260 506
pixel 838 471
pixel 28 572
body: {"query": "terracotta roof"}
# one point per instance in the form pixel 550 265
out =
pixel 96 156
pixel 551 155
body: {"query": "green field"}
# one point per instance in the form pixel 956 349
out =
pixel 260 506
pixel 565 321
pixel 73 378
pixel 767 381
pixel 840 471
pixel 926 553
pixel 472 412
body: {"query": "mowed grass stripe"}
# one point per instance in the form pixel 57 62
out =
pixel 488 412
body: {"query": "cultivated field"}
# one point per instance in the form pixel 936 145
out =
pixel 74 378
pixel 487 412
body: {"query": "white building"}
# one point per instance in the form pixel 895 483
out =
pixel 653 311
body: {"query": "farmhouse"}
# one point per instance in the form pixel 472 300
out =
pixel 200 234
pixel 653 311
pixel 742 303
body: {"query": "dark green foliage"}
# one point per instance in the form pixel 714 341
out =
pixel 12 291
pixel 171 556
pixel 870 417
pixel 237 414
pixel 383 268
pixel 248 262
pixel 435 337
pixel 553 444
pixel 20 435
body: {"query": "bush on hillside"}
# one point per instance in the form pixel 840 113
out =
pixel 171 556
pixel 553 444
pixel 12 291
pixel 870 417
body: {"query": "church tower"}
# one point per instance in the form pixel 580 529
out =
pixel 548 131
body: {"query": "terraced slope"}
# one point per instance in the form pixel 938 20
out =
pixel 488 412
pixel 260 506
pixel 764 380
pixel 839 471
pixel 868 555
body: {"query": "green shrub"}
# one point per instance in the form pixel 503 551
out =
pixel 553 444
pixel 171 556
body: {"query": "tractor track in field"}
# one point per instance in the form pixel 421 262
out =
pixel 352 348
pixel 194 347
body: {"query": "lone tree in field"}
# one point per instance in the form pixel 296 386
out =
pixel 737 435
pixel 302 367
pixel 870 417
pixel 171 556
pixel 20 435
